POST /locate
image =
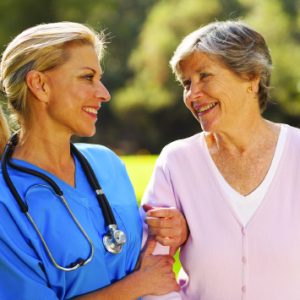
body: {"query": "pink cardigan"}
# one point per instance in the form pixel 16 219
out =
pixel 223 259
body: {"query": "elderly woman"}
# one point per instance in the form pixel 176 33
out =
pixel 60 236
pixel 238 181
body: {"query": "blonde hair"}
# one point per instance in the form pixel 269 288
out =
pixel 4 131
pixel 41 48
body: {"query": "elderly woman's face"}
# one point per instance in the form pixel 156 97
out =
pixel 76 92
pixel 217 97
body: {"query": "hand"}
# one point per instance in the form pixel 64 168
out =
pixel 153 277
pixel 156 272
pixel 167 225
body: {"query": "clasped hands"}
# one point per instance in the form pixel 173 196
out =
pixel 167 225
pixel 169 228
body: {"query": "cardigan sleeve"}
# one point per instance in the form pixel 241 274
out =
pixel 159 193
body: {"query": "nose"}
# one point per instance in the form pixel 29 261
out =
pixel 102 93
pixel 195 91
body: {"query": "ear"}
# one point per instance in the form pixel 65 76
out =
pixel 37 84
pixel 255 84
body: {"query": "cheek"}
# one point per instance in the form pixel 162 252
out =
pixel 214 87
pixel 83 92
pixel 222 92
pixel 77 96
pixel 186 101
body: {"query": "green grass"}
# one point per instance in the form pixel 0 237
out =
pixel 139 168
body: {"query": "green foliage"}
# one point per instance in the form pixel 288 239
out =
pixel 282 35
pixel 139 168
pixel 152 87
pixel 146 110
pixel 153 91
pixel 16 15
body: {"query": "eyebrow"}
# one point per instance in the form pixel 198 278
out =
pixel 201 68
pixel 92 69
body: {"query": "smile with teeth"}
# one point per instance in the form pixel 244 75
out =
pixel 204 108
pixel 90 110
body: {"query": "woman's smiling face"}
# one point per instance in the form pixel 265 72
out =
pixel 76 92
pixel 215 95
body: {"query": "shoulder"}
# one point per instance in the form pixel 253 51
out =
pixel 94 149
pixel 181 154
pixel 292 130
pixel 293 135
pixel 98 152
pixel 5 193
pixel 105 162
pixel 183 146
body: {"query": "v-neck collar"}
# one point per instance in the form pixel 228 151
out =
pixel 218 178
pixel 274 164
pixel 57 180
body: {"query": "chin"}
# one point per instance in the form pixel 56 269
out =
pixel 87 133
pixel 208 126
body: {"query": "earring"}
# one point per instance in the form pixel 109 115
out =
pixel 249 89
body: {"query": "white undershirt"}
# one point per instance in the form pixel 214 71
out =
pixel 245 206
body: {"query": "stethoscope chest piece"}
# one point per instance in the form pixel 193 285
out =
pixel 114 240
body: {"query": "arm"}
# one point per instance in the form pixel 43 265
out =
pixel 155 276
pixel 164 217
pixel 163 210
pixel 20 268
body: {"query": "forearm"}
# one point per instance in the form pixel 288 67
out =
pixel 129 288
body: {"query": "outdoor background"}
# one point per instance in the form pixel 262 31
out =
pixel 146 110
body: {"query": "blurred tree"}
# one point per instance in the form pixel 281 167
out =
pixel 17 15
pixel 121 20
pixel 146 110
pixel 150 103
pixel 283 37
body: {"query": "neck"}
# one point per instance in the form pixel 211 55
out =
pixel 242 139
pixel 48 151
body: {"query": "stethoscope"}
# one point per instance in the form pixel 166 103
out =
pixel 113 240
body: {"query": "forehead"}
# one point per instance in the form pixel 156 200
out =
pixel 199 61
pixel 79 56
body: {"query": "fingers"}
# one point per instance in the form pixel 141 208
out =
pixel 169 232
pixel 164 261
pixel 157 273
pixel 167 225
pixel 162 222
pixel 149 248
pixel 147 207
pixel 173 250
pixel 161 212
pixel 166 241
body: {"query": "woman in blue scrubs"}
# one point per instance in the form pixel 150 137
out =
pixel 51 77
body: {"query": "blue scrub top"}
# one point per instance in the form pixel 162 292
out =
pixel 25 269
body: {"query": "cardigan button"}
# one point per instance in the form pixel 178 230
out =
pixel 244 259
pixel 244 289
pixel 243 230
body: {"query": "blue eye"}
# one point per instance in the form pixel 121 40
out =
pixel 89 77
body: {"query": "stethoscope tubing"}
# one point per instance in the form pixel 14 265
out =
pixel 80 262
pixel 113 241
pixel 102 200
